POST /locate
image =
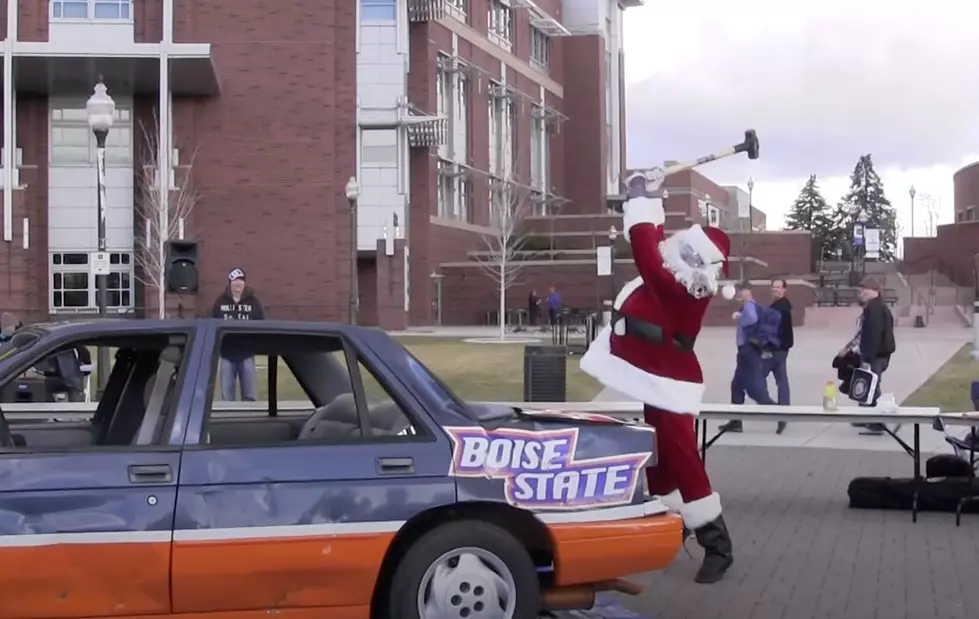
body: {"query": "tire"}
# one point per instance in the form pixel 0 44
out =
pixel 494 543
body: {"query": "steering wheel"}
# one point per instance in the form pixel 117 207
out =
pixel 6 436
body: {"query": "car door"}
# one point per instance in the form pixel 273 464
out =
pixel 301 523
pixel 86 532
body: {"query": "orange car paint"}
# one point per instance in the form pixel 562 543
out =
pixel 293 572
pixel 595 551
pixel 85 580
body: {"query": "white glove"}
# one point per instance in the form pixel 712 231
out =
pixel 736 316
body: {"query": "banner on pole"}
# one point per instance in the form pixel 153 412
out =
pixel 603 256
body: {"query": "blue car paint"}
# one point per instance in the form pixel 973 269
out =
pixel 260 486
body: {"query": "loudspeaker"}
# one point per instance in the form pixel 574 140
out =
pixel 181 267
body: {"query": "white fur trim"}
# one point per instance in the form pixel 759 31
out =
pixel 673 501
pixel 642 211
pixel 698 513
pixel 728 291
pixel 669 394
pixel 697 239
pixel 626 292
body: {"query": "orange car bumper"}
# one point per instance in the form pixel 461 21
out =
pixel 590 552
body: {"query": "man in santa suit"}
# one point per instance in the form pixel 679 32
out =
pixel 647 354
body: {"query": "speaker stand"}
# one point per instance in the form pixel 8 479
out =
pixel 180 306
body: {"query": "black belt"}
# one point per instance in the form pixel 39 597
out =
pixel 653 333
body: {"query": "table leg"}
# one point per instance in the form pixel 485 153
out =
pixel 703 439
pixel 917 472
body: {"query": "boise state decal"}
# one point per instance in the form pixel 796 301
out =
pixel 539 469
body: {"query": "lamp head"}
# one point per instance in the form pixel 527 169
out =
pixel 101 109
pixel 751 184
pixel 911 192
pixel 353 188
pixel 612 233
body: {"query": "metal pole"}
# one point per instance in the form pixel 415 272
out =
pixel 354 285
pixel 103 354
pixel 912 213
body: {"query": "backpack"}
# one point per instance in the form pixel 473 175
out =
pixel 765 333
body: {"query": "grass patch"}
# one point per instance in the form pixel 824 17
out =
pixel 950 387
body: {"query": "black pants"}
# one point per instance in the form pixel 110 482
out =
pixel 552 315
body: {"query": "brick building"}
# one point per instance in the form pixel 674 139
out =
pixel 436 106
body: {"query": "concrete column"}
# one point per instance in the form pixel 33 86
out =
pixel 390 287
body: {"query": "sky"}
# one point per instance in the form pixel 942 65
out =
pixel 822 82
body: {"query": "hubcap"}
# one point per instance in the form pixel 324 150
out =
pixel 467 583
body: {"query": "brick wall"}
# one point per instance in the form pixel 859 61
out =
pixel 953 251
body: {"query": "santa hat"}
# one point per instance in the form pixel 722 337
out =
pixel 722 243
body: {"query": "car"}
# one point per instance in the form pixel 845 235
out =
pixel 373 491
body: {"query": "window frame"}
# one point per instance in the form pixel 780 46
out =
pixel 540 49
pixel 42 349
pixel 500 23
pixel 122 268
pixel 423 433
pixel 372 5
pixel 90 12
pixel 123 120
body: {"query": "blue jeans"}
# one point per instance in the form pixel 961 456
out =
pixel 234 371
pixel 777 365
pixel 749 377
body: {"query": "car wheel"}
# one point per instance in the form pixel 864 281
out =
pixel 465 570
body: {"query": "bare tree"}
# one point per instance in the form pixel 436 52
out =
pixel 162 211
pixel 931 208
pixel 510 205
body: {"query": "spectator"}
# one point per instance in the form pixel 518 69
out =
pixel 749 373
pixel 553 305
pixel 875 341
pixel 533 308
pixel 776 364
pixel 238 302
pixel 9 323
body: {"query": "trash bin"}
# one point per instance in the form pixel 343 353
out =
pixel 545 377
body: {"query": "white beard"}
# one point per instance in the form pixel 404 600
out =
pixel 700 282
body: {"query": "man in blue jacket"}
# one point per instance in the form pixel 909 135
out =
pixel 749 373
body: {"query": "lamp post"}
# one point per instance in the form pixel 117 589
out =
pixel 862 223
pixel 101 111
pixel 911 193
pixel 613 234
pixel 353 193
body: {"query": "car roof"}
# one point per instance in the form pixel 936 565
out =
pixel 80 327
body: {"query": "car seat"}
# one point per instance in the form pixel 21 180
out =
pixel 338 419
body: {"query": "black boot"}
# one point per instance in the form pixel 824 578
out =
pixel 718 553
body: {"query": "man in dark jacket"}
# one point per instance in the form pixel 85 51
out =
pixel 777 363
pixel 876 333
pixel 238 302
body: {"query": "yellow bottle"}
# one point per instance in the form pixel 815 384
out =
pixel 829 396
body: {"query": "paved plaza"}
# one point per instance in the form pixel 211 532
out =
pixel 801 553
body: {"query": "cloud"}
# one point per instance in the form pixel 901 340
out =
pixel 822 82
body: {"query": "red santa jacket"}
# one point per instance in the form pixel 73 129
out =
pixel 677 277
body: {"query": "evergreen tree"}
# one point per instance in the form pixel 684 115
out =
pixel 810 212
pixel 867 194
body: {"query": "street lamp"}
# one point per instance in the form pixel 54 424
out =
pixel 862 223
pixel 352 190
pixel 911 193
pixel 101 114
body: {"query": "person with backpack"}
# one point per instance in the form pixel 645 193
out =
pixel 777 364
pixel 757 337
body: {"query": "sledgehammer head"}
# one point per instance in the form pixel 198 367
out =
pixel 750 144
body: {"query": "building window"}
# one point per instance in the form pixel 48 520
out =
pixel 378 10
pixel 501 130
pixel 540 149
pixel 500 23
pixel 92 9
pixel 73 287
pixel 73 143
pixel 970 213
pixel 446 189
pixel 540 49
pixel 457 8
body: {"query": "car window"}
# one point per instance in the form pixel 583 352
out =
pixel 133 397
pixel 312 395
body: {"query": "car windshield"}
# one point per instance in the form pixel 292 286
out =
pixel 436 389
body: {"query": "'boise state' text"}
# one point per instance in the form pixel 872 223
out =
pixel 539 468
